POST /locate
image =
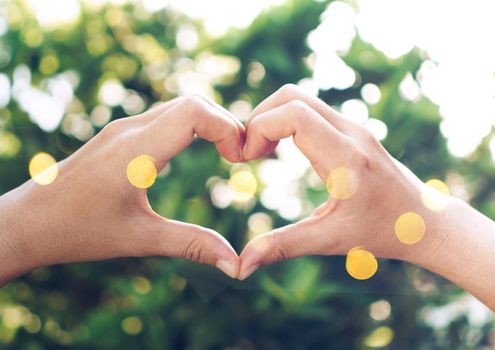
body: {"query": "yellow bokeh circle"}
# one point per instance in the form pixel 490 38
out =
pixel 361 264
pixel 340 184
pixel 410 228
pixel 435 195
pixel 43 168
pixel 244 184
pixel 141 171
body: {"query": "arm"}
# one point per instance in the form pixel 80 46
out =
pixel 369 192
pixel 467 255
pixel 92 211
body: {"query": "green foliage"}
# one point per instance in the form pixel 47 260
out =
pixel 160 303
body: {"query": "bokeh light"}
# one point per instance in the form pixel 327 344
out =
pixel 371 93
pixel 46 106
pixel 355 110
pixel 380 310
pixel 261 243
pixel 221 193
pixel 380 337
pixel 340 183
pixel 157 56
pixel 435 195
pixel 410 228
pixel 361 264
pixel 43 168
pixel 112 93
pixel 259 223
pixel 241 109
pixel 332 38
pixel 378 128
pixel 4 90
pixel 132 325
pixel 53 13
pixel 141 285
pixel 141 171
pixel 244 184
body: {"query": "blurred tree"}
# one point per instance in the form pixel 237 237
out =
pixel 118 60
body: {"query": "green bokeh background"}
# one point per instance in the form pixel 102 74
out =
pixel 162 303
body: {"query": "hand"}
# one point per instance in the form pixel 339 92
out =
pixel 92 211
pixel 375 203
pixel 369 190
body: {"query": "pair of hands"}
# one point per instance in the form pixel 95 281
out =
pixel 92 212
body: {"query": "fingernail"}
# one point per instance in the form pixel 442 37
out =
pixel 226 267
pixel 248 272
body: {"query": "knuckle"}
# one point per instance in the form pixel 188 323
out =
pixel 256 125
pixel 193 250
pixel 113 129
pixel 298 105
pixel 361 159
pixel 194 102
pixel 367 136
pixel 281 250
pixel 301 112
pixel 289 91
pixel 194 106
pixel 231 131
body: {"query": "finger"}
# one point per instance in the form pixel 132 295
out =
pixel 323 145
pixel 226 112
pixel 161 108
pixel 154 112
pixel 292 92
pixel 174 130
pixel 182 240
pixel 288 242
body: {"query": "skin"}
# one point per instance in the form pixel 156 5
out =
pixel 101 216
pixel 92 212
pixel 459 241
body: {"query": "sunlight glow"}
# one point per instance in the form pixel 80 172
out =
pixel 332 38
pixel 52 13
pixel 459 78
pixel 237 14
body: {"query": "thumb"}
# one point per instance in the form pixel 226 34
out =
pixel 292 241
pixel 182 240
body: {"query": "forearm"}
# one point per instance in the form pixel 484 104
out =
pixel 14 248
pixel 461 248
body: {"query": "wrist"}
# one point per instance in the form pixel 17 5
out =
pixel 439 235
pixel 460 247
pixel 15 246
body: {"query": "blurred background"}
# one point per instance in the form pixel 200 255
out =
pixel 419 74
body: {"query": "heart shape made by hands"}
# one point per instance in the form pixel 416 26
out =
pixel 345 155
